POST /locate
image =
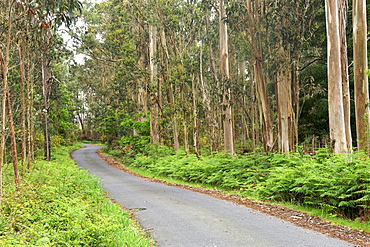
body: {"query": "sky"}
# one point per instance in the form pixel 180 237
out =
pixel 79 58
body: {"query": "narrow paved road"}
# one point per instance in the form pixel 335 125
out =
pixel 182 218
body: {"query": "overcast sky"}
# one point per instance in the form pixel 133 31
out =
pixel 79 58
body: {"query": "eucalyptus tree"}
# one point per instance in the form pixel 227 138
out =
pixel 180 48
pixel 155 94
pixel 115 72
pixel 162 55
pixel 282 16
pixel 22 23
pixel 209 78
pixel 7 18
pixel 256 11
pixel 343 22
pixel 360 64
pixel 242 79
pixel 290 27
pixel 22 74
pixel 169 29
pixel 12 12
pixel 338 140
pixel 51 15
pixel 228 121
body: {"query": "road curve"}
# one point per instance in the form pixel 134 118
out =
pixel 182 218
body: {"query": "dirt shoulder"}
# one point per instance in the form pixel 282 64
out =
pixel 357 237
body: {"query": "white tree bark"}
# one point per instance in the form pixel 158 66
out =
pixel 360 63
pixel 284 102
pixel 335 92
pixel 154 111
pixel 228 122
pixel 254 20
pixel 343 8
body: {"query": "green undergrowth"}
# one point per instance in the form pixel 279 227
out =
pixel 59 204
pixel 335 187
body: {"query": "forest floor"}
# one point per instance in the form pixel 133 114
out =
pixel 357 237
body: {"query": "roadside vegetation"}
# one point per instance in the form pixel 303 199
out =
pixel 58 204
pixel 202 78
pixel 331 186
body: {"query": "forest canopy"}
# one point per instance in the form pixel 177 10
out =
pixel 223 75
pixel 203 76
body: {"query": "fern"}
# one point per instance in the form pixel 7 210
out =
pixel 325 180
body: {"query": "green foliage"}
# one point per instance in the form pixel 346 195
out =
pixel 141 127
pixel 332 183
pixel 110 126
pixel 220 170
pixel 57 141
pixel 338 184
pixel 61 205
pixel 137 142
pixel 61 109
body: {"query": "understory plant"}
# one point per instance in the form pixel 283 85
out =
pixel 338 184
pixel 59 204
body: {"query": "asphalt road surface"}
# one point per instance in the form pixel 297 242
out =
pixel 182 218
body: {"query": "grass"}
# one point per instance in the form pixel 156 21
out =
pixel 58 204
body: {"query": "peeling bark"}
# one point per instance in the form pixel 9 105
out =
pixel 228 122
pixel 284 104
pixel 343 8
pixel 154 107
pixel 257 59
pixel 360 63
pixel 335 90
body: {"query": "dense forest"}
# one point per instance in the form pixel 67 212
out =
pixel 209 81
pixel 213 75
pixel 203 76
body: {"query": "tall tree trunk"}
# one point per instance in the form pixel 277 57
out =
pixel 3 68
pixel 30 114
pixel 206 104
pixel 170 91
pixel 296 107
pixel 22 74
pixel 253 112
pixel 175 132
pixel 244 127
pixel 195 118
pixel 142 86
pixel 267 132
pixel 335 90
pixel 254 15
pixel 186 134
pixel 343 9
pixel 6 104
pixel 228 122
pixel 46 86
pixel 284 103
pixel 211 56
pixel 215 130
pixel 154 107
pixel 360 63
pixel 12 136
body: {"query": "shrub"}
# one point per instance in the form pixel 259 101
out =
pixel 339 184
pixel 61 205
